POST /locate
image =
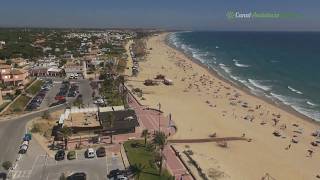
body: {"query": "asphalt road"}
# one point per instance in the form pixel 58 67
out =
pixel 12 131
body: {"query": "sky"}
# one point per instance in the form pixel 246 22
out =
pixel 167 14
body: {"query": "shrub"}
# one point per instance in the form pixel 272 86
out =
pixel 46 115
pixel 18 92
pixel 36 128
pixel 7 165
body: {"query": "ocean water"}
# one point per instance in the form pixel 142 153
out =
pixel 283 66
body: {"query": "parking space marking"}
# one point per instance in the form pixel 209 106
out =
pixel 16 174
pixel 34 163
pixel 55 175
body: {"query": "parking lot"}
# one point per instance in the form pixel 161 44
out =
pixel 84 89
pixel 37 165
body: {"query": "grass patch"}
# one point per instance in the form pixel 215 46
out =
pixel 19 104
pixel 35 87
pixel 138 154
pixel 2 106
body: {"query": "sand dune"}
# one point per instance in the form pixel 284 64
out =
pixel 202 104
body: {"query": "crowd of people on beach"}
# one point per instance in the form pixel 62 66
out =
pixel 204 85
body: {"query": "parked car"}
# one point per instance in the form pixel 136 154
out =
pixel 27 137
pixel 90 153
pixel 114 173
pixel 121 177
pixel 72 94
pixel 58 102
pixel 23 149
pixel 60 97
pixel 25 143
pixel 99 101
pixel 77 176
pixel 101 152
pixel 59 155
pixel 71 155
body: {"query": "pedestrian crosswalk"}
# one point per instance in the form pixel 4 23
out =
pixel 20 174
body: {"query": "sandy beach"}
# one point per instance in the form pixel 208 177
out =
pixel 202 104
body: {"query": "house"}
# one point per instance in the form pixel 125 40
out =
pixel 46 67
pixel 20 62
pixel 75 68
pixel 13 76
pixel 124 121
pixel 96 120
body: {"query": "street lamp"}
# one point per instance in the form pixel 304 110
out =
pixel 159 114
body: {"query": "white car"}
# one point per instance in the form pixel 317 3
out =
pixel 99 101
pixel 25 143
pixel 91 153
pixel 122 177
pixel 23 149
pixel 119 177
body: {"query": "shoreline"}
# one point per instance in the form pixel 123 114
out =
pixel 203 104
pixel 243 88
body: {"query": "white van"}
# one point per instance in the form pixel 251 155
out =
pixel 76 76
pixel 91 153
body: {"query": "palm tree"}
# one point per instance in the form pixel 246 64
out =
pixel 160 140
pixel 66 133
pixel 137 170
pixel 145 134
pixel 110 123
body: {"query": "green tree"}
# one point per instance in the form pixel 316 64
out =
pixel 7 165
pixel 137 170
pixel 66 133
pixel 160 140
pixel 145 133
pixel 110 124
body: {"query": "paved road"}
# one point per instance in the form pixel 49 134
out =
pixel 149 119
pixel 12 131
pixel 86 91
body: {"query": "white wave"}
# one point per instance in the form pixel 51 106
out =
pixel 236 63
pixel 217 47
pixel 258 84
pixel 174 40
pixel 311 104
pixel 225 68
pixel 297 104
pixel 294 90
pixel 274 61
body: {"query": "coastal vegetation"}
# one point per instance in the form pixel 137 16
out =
pixel 112 90
pixel 143 161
